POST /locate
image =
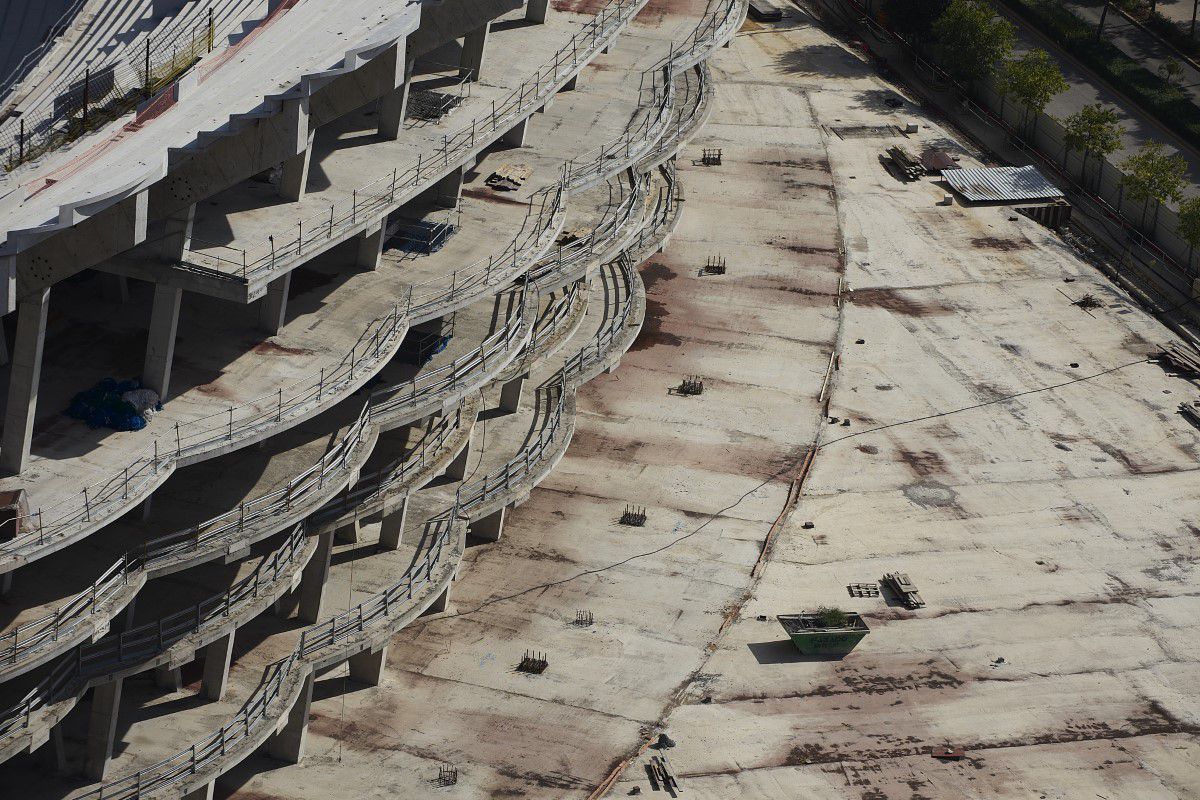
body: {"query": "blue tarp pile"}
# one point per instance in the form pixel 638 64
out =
pixel 106 405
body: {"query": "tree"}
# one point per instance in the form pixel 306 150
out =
pixel 1170 70
pixel 1153 174
pixel 1094 131
pixel 1188 225
pixel 913 19
pixel 1032 80
pixel 972 40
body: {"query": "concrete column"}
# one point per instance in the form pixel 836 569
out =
pixel 490 527
pixel 24 377
pixel 474 44
pixel 440 604
pixel 168 678
pixel 313 580
pixel 536 10
pixel 6 583
pixel 288 742
pixel 116 288
pixel 293 182
pixel 3 345
pixel 204 792
pixel 510 393
pixel 217 656
pixel 102 728
pixel 367 666
pixel 177 235
pixel 394 105
pixel 571 85
pixel 391 529
pixel 350 533
pixel 456 470
pixel 54 752
pixel 448 191
pixel 515 136
pixel 272 308
pixel 370 247
pixel 160 341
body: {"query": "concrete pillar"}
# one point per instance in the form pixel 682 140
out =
pixel 288 742
pixel 24 377
pixel 456 470
pixel 490 527
pixel 272 308
pixel 448 191
pixel 3 345
pixel 367 666
pixel 102 728
pixel 370 247
pixel 571 84
pixel 313 580
pixel 177 235
pixel 536 10
pixel 474 44
pixel 293 181
pixel 510 393
pixel 391 529
pixel 168 678
pixel 394 105
pixel 440 603
pixel 6 583
pixel 54 752
pixel 217 656
pixel 350 533
pixel 204 792
pixel 160 340
pixel 515 136
pixel 116 288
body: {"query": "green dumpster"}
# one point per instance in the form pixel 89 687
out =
pixel 824 634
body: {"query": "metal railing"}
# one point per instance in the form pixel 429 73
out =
pixel 377 198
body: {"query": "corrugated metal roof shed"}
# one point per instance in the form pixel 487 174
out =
pixel 998 184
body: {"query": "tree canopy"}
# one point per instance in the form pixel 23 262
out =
pixel 1188 227
pixel 1032 79
pixel 1094 130
pixel 1152 173
pixel 972 40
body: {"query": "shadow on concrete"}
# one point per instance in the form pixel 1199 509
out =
pixel 783 651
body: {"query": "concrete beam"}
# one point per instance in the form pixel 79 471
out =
pixel 367 667
pixel 470 66
pixel 288 742
pixel 272 308
pixel 515 136
pixel 160 341
pixel 293 181
pixel 536 11
pixel 313 580
pixel 490 527
pixel 24 377
pixel 394 105
pixel 370 247
pixel 217 656
pixel 102 728
pixel 510 393
pixel 395 514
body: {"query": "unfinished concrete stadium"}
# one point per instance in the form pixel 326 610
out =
pixel 434 399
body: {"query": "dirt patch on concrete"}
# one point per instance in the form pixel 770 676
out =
pixel 799 163
pixel 996 243
pixel 271 348
pixel 898 303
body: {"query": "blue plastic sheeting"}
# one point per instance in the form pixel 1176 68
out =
pixel 102 407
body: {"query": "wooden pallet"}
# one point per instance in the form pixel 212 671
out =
pixel 1181 358
pixel 863 589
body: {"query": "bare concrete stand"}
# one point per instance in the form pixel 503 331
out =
pixel 217 656
pixel 490 527
pixel 510 393
pixel 160 341
pixel 391 530
pixel 24 376
pixel 367 666
pixel 288 742
pixel 474 46
pixel 456 470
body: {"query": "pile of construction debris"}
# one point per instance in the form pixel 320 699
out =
pixel 509 177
